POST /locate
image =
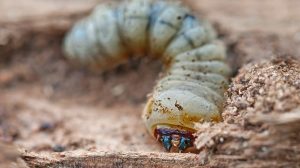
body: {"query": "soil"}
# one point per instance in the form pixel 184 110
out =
pixel 53 111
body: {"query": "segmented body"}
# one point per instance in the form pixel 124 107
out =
pixel 196 76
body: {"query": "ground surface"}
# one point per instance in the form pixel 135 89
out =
pixel 48 105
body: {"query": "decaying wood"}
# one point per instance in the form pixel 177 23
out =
pixel 144 159
pixel 261 116
pixel 261 120
pixel 111 159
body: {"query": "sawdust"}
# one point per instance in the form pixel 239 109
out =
pixel 260 117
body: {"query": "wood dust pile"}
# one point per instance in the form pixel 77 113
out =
pixel 261 117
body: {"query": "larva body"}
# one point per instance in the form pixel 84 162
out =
pixel 196 77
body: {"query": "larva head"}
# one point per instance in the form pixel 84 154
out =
pixel 175 140
pixel 170 117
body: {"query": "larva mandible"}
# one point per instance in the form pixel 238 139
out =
pixel 196 76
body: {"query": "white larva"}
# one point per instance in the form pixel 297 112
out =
pixel 196 77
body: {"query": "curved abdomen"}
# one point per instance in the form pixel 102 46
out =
pixel 196 73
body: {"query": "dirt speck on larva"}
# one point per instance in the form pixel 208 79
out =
pixel 178 106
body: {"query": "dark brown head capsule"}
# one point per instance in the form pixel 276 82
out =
pixel 175 140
